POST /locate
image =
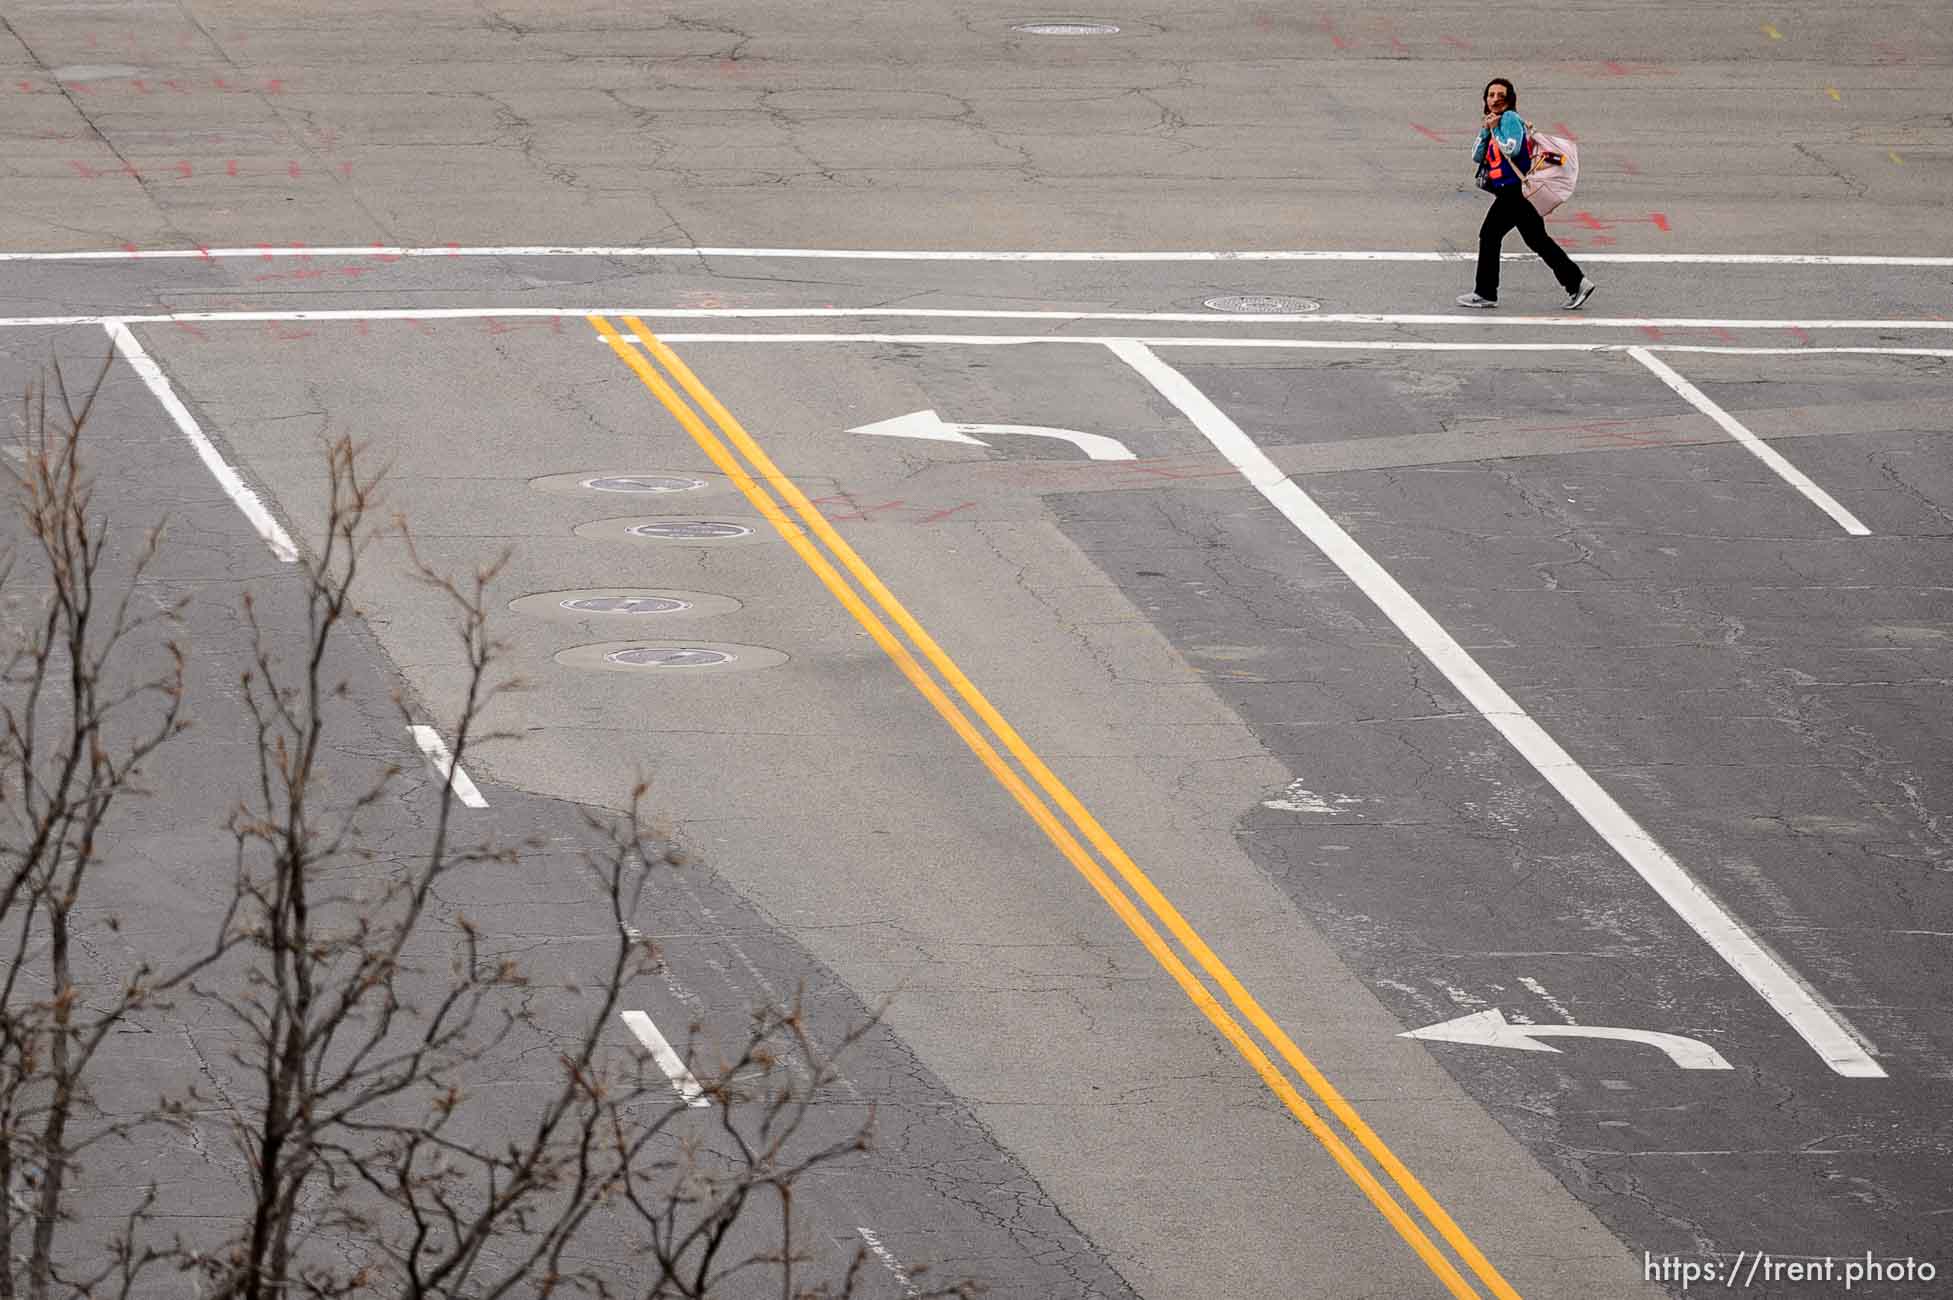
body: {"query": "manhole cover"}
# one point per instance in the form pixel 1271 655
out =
pixel 597 606
pixel 643 483
pixel 1261 304
pixel 701 656
pixel 1066 29
pixel 669 657
pixel 692 530
pixel 626 605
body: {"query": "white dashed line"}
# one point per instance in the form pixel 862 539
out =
pixel 445 767
pixel 668 1061
pixel 1786 992
pixel 892 1264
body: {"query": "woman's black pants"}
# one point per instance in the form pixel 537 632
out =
pixel 1511 210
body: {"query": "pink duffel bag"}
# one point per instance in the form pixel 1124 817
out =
pixel 1556 165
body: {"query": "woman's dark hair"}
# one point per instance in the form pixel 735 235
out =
pixel 1511 93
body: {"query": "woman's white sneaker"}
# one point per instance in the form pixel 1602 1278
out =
pixel 1578 298
pixel 1473 300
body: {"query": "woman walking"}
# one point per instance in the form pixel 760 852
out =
pixel 1505 153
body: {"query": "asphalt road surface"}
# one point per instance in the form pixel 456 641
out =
pixel 1331 794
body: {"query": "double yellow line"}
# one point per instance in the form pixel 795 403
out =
pixel 759 478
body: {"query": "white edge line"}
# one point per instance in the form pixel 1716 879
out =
pixel 953 313
pixel 668 1060
pixel 436 749
pixel 266 252
pixel 1762 450
pixel 1841 1048
pixel 227 477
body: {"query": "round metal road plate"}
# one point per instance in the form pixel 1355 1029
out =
pixel 664 658
pixel 1261 304
pixel 669 657
pixel 597 606
pixel 692 530
pixel 625 605
pixel 1059 27
pixel 643 483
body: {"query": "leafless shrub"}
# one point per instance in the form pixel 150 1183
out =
pixel 373 1024
pixel 91 690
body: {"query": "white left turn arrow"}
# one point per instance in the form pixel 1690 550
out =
pixel 1491 1029
pixel 927 424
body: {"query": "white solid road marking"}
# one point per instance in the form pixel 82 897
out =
pixel 930 426
pixel 1490 1029
pixel 1762 450
pixel 668 1061
pixel 1782 988
pixel 445 767
pixel 227 478
pixel 266 252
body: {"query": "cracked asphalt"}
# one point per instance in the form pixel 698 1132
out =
pixel 1765 694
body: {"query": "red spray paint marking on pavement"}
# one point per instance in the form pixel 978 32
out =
pixel 88 173
pixel 1629 437
pixel 1328 26
pixel 1427 132
pixel 941 515
pixel 501 325
pixel 1652 331
pixel 1389 30
pixel 1722 334
pixel 855 509
pixel 1802 335
pixel 1455 42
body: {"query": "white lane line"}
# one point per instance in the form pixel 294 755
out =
pixel 973 313
pixel 1820 1026
pixel 445 767
pixel 892 1264
pixel 668 1061
pixel 1351 345
pixel 227 478
pixel 266 252
pixel 1762 450
pixel 1459 318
